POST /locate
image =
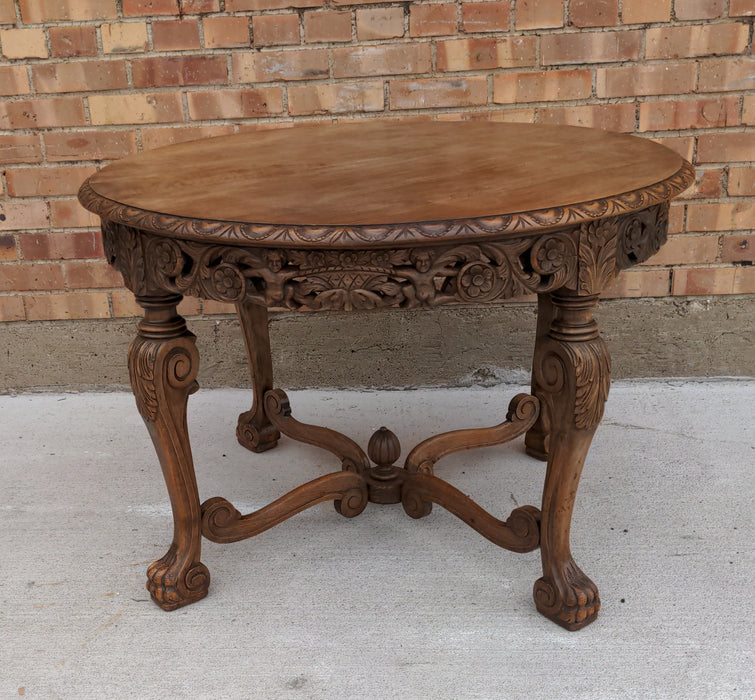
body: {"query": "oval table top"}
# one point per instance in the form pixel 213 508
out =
pixel 372 183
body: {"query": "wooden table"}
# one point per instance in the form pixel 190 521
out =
pixel 376 215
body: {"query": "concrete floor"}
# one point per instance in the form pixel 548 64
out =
pixel 380 606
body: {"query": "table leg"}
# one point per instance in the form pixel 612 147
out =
pixel 254 430
pixel 163 363
pixel 572 373
pixel 536 439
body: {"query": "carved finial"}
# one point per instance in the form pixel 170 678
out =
pixel 383 448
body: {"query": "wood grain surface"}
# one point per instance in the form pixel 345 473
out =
pixel 385 173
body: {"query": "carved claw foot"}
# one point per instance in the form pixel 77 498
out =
pixel 173 583
pixel 569 598
pixel 256 437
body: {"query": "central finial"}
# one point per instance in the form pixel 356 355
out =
pixel 383 448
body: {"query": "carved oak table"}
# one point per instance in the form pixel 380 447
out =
pixel 376 215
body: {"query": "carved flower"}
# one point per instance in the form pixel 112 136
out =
pixel 476 280
pixel 550 255
pixel 227 282
pixel 634 237
pixel 166 258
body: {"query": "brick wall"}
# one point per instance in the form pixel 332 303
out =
pixel 83 82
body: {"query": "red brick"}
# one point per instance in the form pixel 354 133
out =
pixel 485 53
pixel 609 117
pixel 40 11
pixel 432 20
pixel 741 8
pixel 138 8
pixel 80 76
pixel 683 145
pixel 676 218
pixel 380 23
pixel 485 16
pixel 7 12
pixel 44 182
pixel 175 35
pixel 21 148
pixel 686 250
pixel 60 246
pixel 12 309
pixel 235 104
pixel 748 109
pixel 662 79
pixel 16 215
pixel 220 32
pixel 590 47
pixel 542 86
pixel 433 92
pixel 25 277
pixel 713 280
pixel 327 25
pixel 742 182
pixel 73 40
pixel 335 98
pixel 209 306
pixel 726 74
pixel 49 112
pixel 242 5
pixel 161 71
pixel 699 9
pixel 135 108
pixel 639 283
pixel 696 40
pixel 124 37
pixel 68 213
pixel 155 137
pixel 124 305
pixel 708 184
pixel 738 247
pixel 48 307
pixel 721 216
pixel 8 252
pixel 14 80
pixel 383 59
pixel 594 13
pixel 264 66
pixel 641 11
pixel 726 148
pixel 23 43
pixel 275 30
pixel 92 274
pixel 688 114
pixel 89 145
pixel 539 14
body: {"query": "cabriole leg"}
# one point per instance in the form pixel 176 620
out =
pixel 163 363
pixel 254 431
pixel 572 373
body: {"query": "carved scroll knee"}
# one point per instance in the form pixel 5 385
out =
pixel 163 364
pixel 572 371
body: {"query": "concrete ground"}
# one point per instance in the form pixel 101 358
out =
pixel 380 606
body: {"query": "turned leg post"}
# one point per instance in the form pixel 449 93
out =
pixel 572 373
pixel 254 430
pixel 163 363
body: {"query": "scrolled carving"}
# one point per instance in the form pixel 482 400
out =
pixel 348 279
pixel 173 583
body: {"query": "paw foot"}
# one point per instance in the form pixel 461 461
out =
pixel 570 600
pixel 172 583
